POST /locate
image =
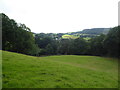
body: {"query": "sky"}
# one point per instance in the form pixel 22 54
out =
pixel 61 16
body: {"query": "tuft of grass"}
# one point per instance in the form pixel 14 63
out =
pixel 64 71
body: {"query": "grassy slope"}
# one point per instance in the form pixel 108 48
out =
pixel 22 71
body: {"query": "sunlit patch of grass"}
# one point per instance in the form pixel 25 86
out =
pixel 69 37
pixel 87 38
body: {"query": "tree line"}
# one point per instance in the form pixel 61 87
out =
pixel 19 38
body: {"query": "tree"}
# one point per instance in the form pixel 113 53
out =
pixel 42 40
pixel 17 38
pixel 96 45
pixel 80 46
pixel 112 42
pixel 49 50
pixel 64 46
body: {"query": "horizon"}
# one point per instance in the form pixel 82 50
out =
pixel 62 16
pixel 75 31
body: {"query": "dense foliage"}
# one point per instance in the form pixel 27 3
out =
pixel 19 38
pixel 102 45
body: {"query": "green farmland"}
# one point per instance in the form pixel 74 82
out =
pixel 69 37
pixel 63 71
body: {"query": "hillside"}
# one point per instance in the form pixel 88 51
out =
pixel 96 31
pixel 65 71
pixel 89 33
pixel 86 33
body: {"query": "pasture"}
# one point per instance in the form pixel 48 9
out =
pixel 63 71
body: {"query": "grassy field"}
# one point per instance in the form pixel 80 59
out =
pixel 69 37
pixel 68 71
pixel 87 38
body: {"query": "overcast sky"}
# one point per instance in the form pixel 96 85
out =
pixel 62 15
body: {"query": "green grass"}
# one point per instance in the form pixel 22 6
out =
pixel 87 38
pixel 64 71
pixel 69 37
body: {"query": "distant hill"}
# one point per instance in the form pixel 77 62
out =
pixel 89 33
pixel 95 31
pixel 86 34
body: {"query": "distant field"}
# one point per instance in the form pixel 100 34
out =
pixel 69 37
pixel 87 38
pixel 65 71
pixel 75 37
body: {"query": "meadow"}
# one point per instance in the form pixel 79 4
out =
pixel 69 37
pixel 60 71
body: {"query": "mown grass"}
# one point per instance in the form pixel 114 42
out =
pixel 68 71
